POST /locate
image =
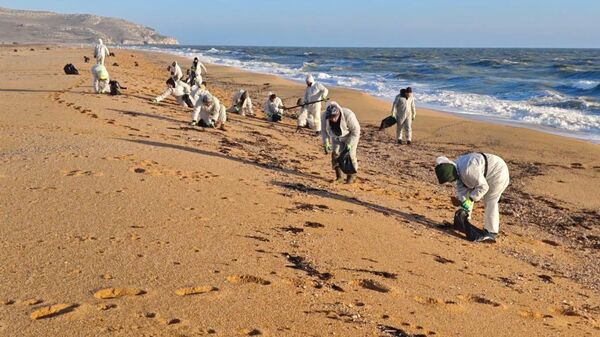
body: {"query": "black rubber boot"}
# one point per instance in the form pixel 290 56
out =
pixel 338 175
pixel 350 179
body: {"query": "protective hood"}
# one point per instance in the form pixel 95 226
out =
pixel 445 170
pixel 333 109
pixel 310 79
pixel 100 41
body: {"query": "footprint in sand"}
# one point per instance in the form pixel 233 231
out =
pixel 52 311
pixel 372 285
pixel 246 279
pixel 480 300
pixel 195 290
pixel 110 293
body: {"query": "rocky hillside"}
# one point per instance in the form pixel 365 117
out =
pixel 47 27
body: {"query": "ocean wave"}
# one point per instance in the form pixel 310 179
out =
pixel 493 63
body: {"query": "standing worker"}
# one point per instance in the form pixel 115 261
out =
pixel 311 113
pixel 405 111
pixel 175 71
pixel 478 176
pixel 100 52
pixel 341 132
pixel 196 72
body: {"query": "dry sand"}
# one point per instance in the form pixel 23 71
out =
pixel 119 220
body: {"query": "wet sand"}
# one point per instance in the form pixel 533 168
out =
pixel 119 220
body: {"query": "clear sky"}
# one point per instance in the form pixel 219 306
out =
pixel 330 23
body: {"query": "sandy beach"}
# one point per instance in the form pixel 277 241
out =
pixel 120 220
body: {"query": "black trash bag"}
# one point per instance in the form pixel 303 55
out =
pixel 344 162
pixel 114 88
pixel 462 224
pixel 188 101
pixel 275 118
pixel 387 122
pixel 70 69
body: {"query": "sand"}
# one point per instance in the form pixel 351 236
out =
pixel 119 220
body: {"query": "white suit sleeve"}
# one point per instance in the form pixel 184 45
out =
pixel 248 106
pixel 324 91
pixel 203 68
pixel 354 129
pixel 164 95
pixel 413 108
pixel 461 191
pixel 106 50
pixel 324 130
pixel 482 187
pixel 394 107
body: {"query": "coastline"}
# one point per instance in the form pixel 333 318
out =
pixel 119 218
pixel 481 117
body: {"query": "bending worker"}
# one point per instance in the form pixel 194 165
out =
pixel 341 132
pixel 311 114
pixel 100 52
pixel 180 90
pixel 478 176
pixel 100 79
pixel 273 108
pixel 241 103
pixel 212 113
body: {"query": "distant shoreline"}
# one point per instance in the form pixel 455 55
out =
pixel 586 137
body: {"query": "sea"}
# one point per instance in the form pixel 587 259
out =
pixel 554 90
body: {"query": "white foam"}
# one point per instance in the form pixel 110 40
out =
pixel 586 85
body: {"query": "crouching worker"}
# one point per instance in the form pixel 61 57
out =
pixel 273 108
pixel 341 133
pixel 180 90
pixel 241 103
pixel 211 112
pixel 100 79
pixel 478 176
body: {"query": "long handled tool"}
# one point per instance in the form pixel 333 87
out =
pixel 305 104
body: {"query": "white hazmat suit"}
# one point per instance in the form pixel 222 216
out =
pixel 196 73
pixel 243 108
pixel 346 133
pixel 311 114
pixel 405 112
pixel 100 79
pixel 211 114
pixel 179 91
pixel 475 183
pixel 175 71
pixel 273 108
pixel 100 52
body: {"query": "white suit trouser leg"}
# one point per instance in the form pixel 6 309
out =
pixel 338 147
pixel 95 84
pixel 404 125
pixel 316 120
pixel 100 60
pixel 302 117
pixel 491 198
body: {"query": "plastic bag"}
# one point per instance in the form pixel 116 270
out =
pixel 344 162
pixel 387 122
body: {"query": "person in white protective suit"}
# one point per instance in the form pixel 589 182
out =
pixel 478 176
pixel 241 103
pixel 100 79
pixel 311 114
pixel 196 72
pixel 175 71
pixel 100 52
pixel 341 132
pixel 273 108
pixel 211 112
pixel 405 112
pixel 199 91
pixel 178 89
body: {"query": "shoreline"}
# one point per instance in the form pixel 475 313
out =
pixel 479 117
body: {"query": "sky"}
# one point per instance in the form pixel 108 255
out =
pixel 354 23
